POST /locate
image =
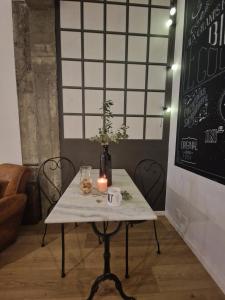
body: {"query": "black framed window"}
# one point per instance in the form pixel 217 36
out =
pixel 114 50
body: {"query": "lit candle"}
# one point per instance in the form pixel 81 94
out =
pixel 102 184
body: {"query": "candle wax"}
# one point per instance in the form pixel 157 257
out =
pixel 102 184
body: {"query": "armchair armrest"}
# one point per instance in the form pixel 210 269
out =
pixel 11 205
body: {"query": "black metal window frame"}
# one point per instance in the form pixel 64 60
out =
pixel 104 61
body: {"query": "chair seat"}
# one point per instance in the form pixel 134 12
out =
pixel 13 180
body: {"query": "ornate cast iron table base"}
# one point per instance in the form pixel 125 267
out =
pixel 107 275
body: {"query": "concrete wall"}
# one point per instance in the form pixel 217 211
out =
pixel 10 146
pixel 194 204
pixel 35 53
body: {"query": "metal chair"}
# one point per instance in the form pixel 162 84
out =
pixel 149 176
pixel 48 173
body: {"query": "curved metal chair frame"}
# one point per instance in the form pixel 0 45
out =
pixel 52 164
pixel 157 188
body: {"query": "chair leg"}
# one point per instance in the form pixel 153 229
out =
pixel 46 226
pixel 156 238
pixel 126 251
pixel 43 237
pixel 63 251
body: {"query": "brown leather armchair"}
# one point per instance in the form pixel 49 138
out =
pixel 13 179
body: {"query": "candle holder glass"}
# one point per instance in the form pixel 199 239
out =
pixel 86 183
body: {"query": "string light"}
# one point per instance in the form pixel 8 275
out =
pixel 174 67
pixel 173 11
pixel 166 109
pixel 169 23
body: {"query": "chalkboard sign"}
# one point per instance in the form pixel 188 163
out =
pixel 200 145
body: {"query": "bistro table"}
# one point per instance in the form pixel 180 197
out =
pixel 74 207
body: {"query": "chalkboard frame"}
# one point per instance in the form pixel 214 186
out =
pixel 204 173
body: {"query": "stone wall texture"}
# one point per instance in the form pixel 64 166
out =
pixel 35 58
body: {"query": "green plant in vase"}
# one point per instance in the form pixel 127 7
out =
pixel 107 135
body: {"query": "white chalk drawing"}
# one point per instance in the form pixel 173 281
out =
pixel 222 106
pixel 209 58
pixel 203 17
pixel 211 135
pixel 197 10
pixel 189 146
pixel 195 107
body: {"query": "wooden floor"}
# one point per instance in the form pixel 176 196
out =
pixel 28 271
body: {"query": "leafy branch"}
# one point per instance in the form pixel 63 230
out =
pixel 106 134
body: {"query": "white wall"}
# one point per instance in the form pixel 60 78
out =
pixel 194 204
pixel 10 146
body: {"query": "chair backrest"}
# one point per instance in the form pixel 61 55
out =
pixel 14 177
pixel 50 181
pixel 149 177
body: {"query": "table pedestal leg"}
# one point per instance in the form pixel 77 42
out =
pixel 107 275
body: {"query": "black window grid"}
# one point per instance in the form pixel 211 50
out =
pixel 126 62
pixel 125 3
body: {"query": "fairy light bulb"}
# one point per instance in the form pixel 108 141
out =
pixel 173 10
pixel 174 67
pixel 169 23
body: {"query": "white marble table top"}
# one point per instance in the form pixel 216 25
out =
pixel 73 206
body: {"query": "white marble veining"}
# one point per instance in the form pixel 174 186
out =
pixel 73 206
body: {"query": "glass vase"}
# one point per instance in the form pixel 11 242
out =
pixel 86 183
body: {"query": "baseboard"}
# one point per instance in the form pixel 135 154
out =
pixel 205 264
pixel 160 212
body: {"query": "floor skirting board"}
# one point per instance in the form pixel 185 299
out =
pixel 160 212
pixel 205 264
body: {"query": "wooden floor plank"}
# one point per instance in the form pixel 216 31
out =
pixel 28 271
